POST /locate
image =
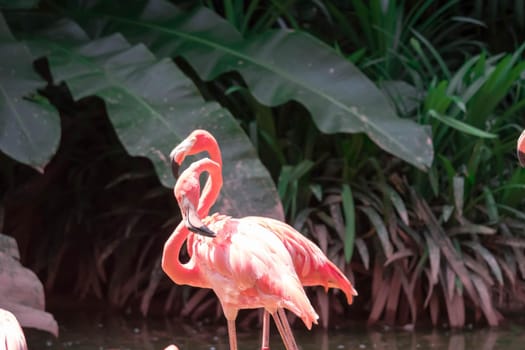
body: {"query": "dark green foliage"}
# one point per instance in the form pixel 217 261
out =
pixel 126 62
pixel 30 130
pixel 435 245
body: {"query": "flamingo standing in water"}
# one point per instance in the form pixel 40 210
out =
pixel 245 265
pixel 520 149
pixel 311 265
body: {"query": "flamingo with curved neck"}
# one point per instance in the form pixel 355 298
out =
pixel 245 265
pixel 311 265
pixel 521 149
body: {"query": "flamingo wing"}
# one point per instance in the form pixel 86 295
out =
pixel 311 264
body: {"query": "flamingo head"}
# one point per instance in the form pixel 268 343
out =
pixel 198 141
pixel 521 149
pixel 187 193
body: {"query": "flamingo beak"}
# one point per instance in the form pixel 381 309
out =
pixel 194 223
pixel 175 167
pixel 178 153
pixel 521 149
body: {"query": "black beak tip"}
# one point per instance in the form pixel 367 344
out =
pixel 202 230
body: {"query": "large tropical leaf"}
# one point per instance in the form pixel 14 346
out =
pixel 278 66
pixel 29 131
pixel 153 106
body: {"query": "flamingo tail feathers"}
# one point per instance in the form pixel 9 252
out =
pixel 336 279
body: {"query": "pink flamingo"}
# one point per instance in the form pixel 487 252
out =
pixel 245 265
pixel 311 265
pixel 520 149
pixel 11 334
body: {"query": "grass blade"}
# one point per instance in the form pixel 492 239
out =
pixel 349 215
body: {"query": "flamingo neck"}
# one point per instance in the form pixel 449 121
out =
pixel 214 151
pixel 205 142
pixel 213 185
pixel 180 273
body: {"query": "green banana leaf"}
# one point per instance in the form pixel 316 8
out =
pixel 153 106
pixel 277 66
pixel 29 131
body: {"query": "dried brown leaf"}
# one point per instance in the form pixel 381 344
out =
pixel 518 253
pixel 398 255
pixel 377 278
pixel 434 257
pixel 324 306
pixel 456 311
pixel 168 304
pixel 337 217
pixel 451 285
pixel 144 250
pixel 491 315
pixel 194 301
pixel 131 285
pixel 380 228
pixel 101 256
pixel 479 269
pixel 399 204
pixel 430 289
pixel 379 302
pixel 363 252
pixel 423 211
pixel 434 309
pixel 508 271
pixel 321 233
pixel 393 297
pixel 155 277
pixel 54 266
pixel 489 258
pixel 393 230
pixel 509 241
pixel 201 309
pixel 471 229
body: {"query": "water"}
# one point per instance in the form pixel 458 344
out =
pixel 80 331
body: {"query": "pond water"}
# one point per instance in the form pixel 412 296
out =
pixel 80 331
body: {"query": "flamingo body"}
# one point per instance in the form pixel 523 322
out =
pixel 249 267
pixel 311 264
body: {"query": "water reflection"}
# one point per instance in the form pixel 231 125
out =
pixel 80 331
pixel 479 339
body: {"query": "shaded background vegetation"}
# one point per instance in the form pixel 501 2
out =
pixel 430 232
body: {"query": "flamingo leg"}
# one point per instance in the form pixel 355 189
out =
pixel 265 344
pixel 232 334
pixel 286 326
pixel 284 330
